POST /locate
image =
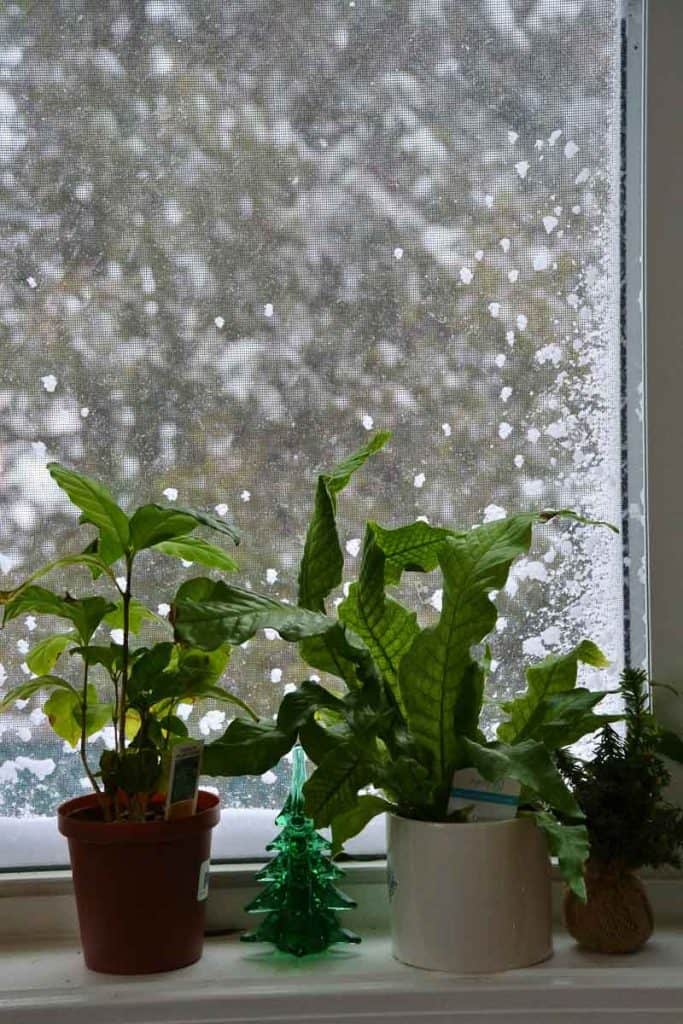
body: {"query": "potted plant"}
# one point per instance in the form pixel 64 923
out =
pixel 630 824
pixel 466 895
pixel 139 879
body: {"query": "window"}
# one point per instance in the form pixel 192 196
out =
pixel 238 237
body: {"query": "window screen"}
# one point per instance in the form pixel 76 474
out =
pixel 239 235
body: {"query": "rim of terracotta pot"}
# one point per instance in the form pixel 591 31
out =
pixel 138 832
pixel 465 826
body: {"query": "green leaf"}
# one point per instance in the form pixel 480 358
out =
pixel 337 651
pixel 413 548
pixel 85 558
pixel 570 844
pixel 34 599
pixel 85 613
pixel 246 748
pixel 215 523
pixel 98 507
pixel 153 524
pixel 441 686
pixel 347 825
pixel 173 672
pixel 138 613
pixel 225 697
pixel 530 764
pixel 27 690
pixel 386 627
pixel 208 613
pixel 193 549
pixel 318 740
pixel 45 655
pixel 64 710
pixel 297 708
pixel 322 561
pixel 563 718
pixel 333 787
pixel 110 656
pixel 555 674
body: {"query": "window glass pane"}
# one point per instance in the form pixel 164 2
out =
pixel 236 237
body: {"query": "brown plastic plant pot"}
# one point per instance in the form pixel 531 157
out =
pixel 140 886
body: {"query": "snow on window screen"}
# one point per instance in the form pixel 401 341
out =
pixel 239 235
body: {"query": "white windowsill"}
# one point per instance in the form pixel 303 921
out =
pixel 237 983
pixel 42 976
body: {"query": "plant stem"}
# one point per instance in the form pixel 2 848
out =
pixel 84 735
pixel 124 668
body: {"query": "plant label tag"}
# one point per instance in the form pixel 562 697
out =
pixel 203 884
pixel 487 801
pixel 183 780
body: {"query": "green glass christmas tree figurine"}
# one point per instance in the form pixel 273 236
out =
pixel 300 897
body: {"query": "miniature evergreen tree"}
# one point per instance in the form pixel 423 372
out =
pixel 300 897
pixel 621 790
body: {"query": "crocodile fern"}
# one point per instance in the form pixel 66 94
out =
pixel 409 716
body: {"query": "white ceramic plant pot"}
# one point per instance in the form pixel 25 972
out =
pixel 469 898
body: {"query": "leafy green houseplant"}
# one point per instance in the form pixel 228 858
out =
pixel 630 823
pixel 409 716
pixel 133 687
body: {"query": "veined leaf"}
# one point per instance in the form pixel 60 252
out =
pixel 322 561
pixel 342 653
pixel 246 748
pixel 208 613
pixel 85 613
pixel 194 549
pixel 318 740
pixel 570 844
pixel 27 690
pixel 152 524
pixel 110 656
pixel 98 507
pixel 413 548
pixel 173 672
pixel 91 561
pixel 138 613
pixel 45 655
pixel 530 764
pixel 225 697
pixel 347 825
pixel 298 707
pixel 555 674
pixel 332 789
pixel 386 627
pixel 213 522
pixel 563 718
pixel 64 709
pixel 441 689
pixel 34 599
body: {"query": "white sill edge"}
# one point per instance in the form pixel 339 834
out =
pixel 234 983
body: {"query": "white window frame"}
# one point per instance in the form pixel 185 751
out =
pixel 663 308
pixel 652 307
